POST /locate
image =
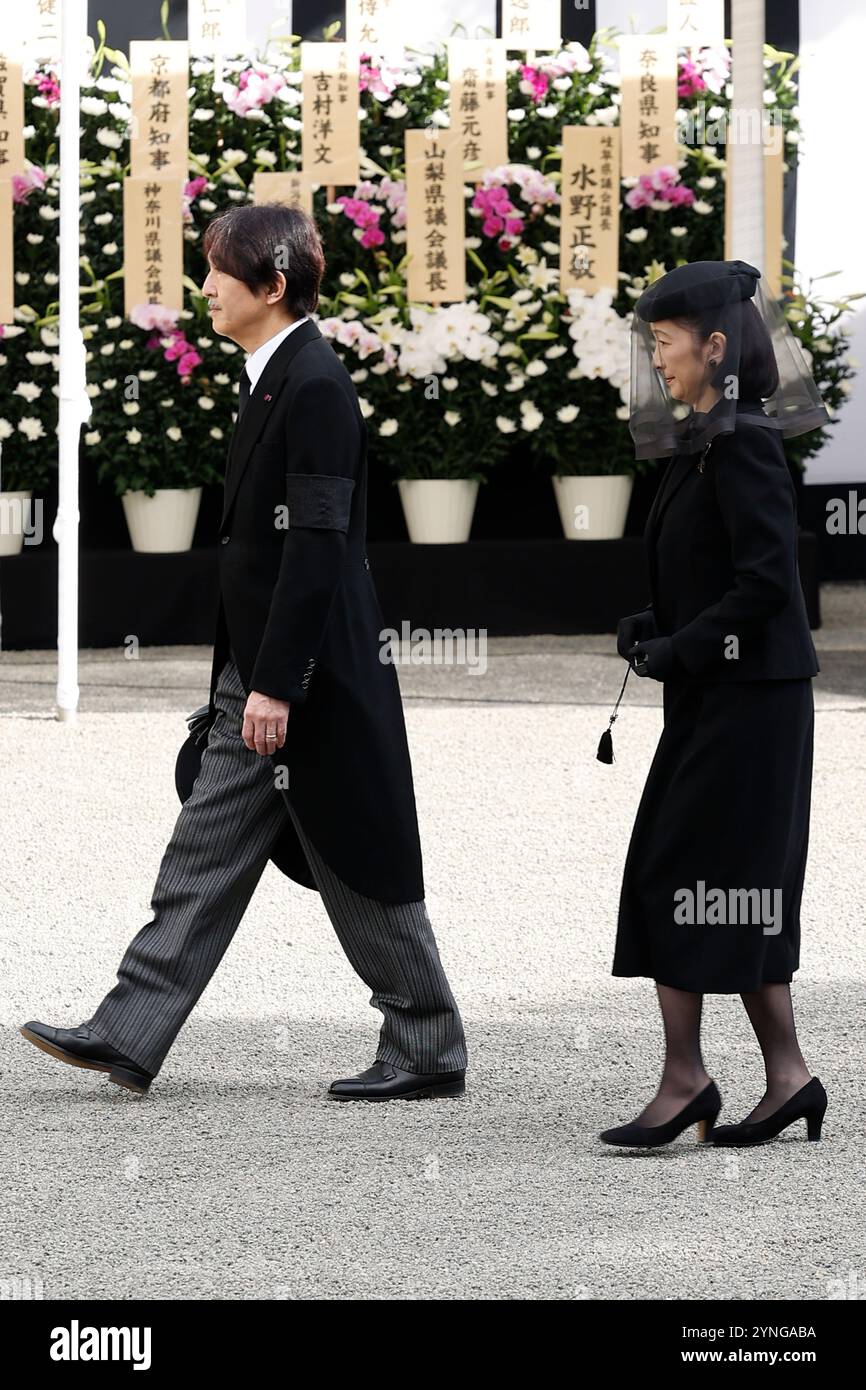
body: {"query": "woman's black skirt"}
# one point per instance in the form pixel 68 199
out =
pixel 713 878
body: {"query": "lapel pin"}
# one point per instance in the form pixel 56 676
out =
pixel 268 397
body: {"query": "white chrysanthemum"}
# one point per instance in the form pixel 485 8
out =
pixel 216 432
pixel 5 429
pixel 205 403
pixel 536 367
pixel 638 233
pixel 567 413
pixel 452 417
pixel 28 389
pixel 92 437
pixel 131 407
pixel 134 436
pixel 388 427
pixel 111 139
pixel 366 408
pixel 174 433
pixel 505 425
pixel 31 428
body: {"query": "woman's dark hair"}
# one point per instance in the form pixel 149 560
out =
pixel 757 370
pixel 252 243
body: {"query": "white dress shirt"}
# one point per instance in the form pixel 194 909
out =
pixel 258 360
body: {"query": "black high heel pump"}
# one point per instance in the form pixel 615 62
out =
pixel 702 1111
pixel 809 1104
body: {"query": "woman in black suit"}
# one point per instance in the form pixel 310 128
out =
pixel 713 879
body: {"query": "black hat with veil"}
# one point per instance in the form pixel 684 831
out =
pixel 704 337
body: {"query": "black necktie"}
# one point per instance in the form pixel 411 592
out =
pixel 244 392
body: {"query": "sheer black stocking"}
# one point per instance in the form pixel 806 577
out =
pixel 771 1014
pixel 684 1075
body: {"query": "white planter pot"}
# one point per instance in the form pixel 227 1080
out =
pixel 438 510
pixel 14 514
pixel 164 522
pixel 594 507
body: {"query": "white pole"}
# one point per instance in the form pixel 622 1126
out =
pixel 745 171
pixel 74 402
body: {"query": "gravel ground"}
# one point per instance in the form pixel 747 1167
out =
pixel 236 1178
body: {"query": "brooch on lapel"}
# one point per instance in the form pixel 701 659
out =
pixel 268 397
pixel 703 458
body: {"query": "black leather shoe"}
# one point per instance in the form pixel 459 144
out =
pixel 809 1104
pixel 81 1047
pixel 702 1111
pixel 384 1081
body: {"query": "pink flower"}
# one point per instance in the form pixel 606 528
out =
pixel 153 316
pixel 24 184
pixel 189 360
pixel 538 81
pixel 49 87
pixel 191 189
pixel 364 215
pixel 256 87
pixel 662 185
pixel 379 81
pixel 690 81
pixel 373 236
pixel 492 226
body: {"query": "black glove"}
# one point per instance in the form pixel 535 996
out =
pixel 635 628
pixel 654 658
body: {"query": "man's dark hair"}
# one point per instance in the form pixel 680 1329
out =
pixel 252 243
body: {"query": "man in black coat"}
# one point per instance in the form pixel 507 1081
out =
pixel 306 760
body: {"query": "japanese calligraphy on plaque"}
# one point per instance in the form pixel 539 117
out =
pixel 435 216
pixel 374 24
pixel 697 23
pixel 217 24
pixel 476 75
pixel 11 114
pixel 291 188
pixel 42 19
pixel 589 230
pixel 160 79
pixel 531 23
pixel 648 69
pixel 153 242
pixel 330 142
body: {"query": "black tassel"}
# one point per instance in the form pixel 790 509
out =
pixel 605 748
pixel 605 743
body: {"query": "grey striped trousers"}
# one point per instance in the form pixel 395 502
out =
pixel 213 861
